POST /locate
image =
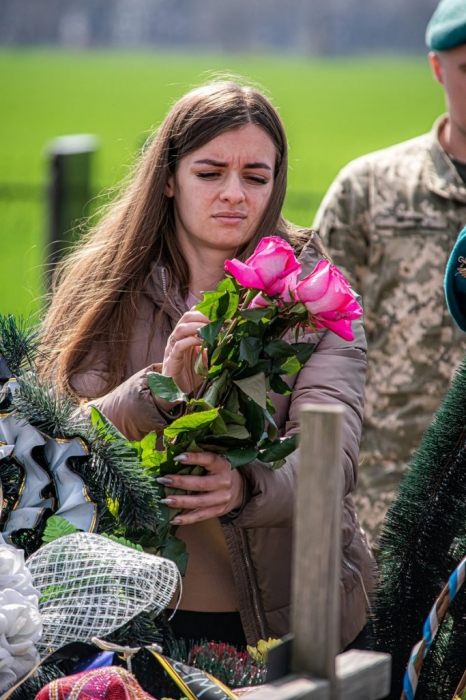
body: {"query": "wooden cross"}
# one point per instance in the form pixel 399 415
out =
pixel 318 672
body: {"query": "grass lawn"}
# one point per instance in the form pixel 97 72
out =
pixel 334 110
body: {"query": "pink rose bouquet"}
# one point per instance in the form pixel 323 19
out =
pixel 251 312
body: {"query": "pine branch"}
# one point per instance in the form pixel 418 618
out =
pixel 19 342
pixel 116 465
pixel 420 530
pixel 42 406
pixel 113 468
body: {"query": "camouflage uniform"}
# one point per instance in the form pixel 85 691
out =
pixel 390 221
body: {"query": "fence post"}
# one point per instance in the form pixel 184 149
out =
pixel 69 188
pixel 317 545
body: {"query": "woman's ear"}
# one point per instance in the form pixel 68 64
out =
pixel 170 186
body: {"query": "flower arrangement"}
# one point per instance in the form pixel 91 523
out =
pixel 254 313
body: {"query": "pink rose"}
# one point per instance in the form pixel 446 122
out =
pixel 267 268
pixel 289 285
pixel 328 297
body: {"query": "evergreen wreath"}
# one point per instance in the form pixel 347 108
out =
pixel 422 542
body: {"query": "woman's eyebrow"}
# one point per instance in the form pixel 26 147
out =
pixel 220 164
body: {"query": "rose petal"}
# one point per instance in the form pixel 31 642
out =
pixel 245 275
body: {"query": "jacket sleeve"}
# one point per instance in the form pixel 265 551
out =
pixel 131 407
pixel 343 221
pixel 334 374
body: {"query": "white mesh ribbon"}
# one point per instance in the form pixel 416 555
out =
pixel 90 586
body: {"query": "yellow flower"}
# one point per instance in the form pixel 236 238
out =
pixel 260 652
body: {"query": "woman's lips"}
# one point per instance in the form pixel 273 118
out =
pixel 230 217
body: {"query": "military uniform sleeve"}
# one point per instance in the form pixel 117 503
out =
pixel 343 221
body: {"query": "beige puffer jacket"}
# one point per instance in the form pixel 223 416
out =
pixel 259 538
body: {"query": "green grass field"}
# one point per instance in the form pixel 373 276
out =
pixel 333 110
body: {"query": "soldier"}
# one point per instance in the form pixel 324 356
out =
pixel 390 220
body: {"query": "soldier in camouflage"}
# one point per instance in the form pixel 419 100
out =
pixel 390 221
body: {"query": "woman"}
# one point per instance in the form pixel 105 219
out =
pixel 207 188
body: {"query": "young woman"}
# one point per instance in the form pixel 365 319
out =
pixel 207 188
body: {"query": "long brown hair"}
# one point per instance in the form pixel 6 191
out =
pixel 96 287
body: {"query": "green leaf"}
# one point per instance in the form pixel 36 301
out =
pixel 104 427
pixel 279 449
pixel 228 284
pixel 254 415
pixel 232 402
pixel 278 464
pixel 219 427
pixel 209 305
pixel 250 350
pixel 291 366
pixel 222 352
pixel 57 527
pixel 154 459
pixel 272 430
pixel 165 387
pixel 279 348
pixel 246 371
pixel 257 314
pixel 148 444
pixel 303 351
pixel 123 541
pixel 255 388
pixel 230 417
pixel 210 332
pixel 193 421
pixel 175 549
pixel 219 305
pixel 278 385
pixel 238 431
pixel 242 456
pixel 216 391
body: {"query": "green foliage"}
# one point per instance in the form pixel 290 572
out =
pixel 191 421
pixel 116 464
pixel 165 387
pixel 124 542
pixel 423 540
pixel 57 527
pixel 19 342
pixel 53 413
pixel 255 388
pixel 175 549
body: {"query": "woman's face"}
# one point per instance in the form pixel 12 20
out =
pixel 221 190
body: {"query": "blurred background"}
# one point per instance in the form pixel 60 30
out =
pixel 348 77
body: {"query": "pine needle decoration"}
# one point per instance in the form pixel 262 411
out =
pixel 421 544
pixel 19 342
pixel 55 414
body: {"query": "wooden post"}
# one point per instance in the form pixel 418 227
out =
pixel 317 545
pixel 69 188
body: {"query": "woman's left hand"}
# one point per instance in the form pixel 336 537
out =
pixel 219 491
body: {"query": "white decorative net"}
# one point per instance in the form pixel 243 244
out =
pixel 90 586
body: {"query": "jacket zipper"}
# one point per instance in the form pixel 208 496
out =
pixel 165 291
pixel 252 587
pixel 352 568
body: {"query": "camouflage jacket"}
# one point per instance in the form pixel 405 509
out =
pixel 390 220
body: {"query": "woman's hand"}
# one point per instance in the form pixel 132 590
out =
pixel 182 349
pixel 215 493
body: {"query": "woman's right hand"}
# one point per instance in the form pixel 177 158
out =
pixel 183 347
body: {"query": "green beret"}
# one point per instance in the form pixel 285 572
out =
pixel 455 282
pixel 447 27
